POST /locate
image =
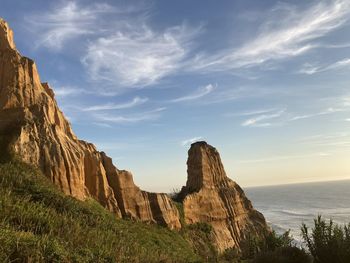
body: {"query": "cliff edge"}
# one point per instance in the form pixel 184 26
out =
pixel 211 197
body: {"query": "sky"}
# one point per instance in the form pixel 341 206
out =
pixel 265 82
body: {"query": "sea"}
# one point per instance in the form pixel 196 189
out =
pixel 286 207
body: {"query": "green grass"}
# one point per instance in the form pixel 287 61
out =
pixel 40 224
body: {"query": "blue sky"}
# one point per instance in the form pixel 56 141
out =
pixel 266 82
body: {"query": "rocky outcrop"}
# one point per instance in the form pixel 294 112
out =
pixel 36 130
pixel 134 203
pixel 211 197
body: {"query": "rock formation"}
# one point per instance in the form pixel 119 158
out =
pixel 33 127
pixel 37 131
pixel 210 196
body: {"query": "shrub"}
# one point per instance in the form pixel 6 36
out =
pixel 273 248
pixel 327 242
pixel 203 227
pixel 283 254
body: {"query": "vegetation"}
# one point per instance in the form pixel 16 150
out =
pixel 328 242
pixel 272 248
pixel 40 224
pixel 283 254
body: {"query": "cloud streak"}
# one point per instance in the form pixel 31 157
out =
pixel 191 140
pixel 112 106
pixel 129 119
pixel 261 120
pixel 291 36
pixel 67 22
pixel 201 92
pixel 249 113
pixel 310 69
pixel 137 55
pixel 65 91
pixel 281 117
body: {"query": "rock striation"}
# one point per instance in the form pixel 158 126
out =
pixel 211 197
pixel 36 130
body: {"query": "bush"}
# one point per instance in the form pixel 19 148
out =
pixel 283 254
pixel 327 242
pixel 273 248
pixel 200 226
pixel 230 255
pixel 254 245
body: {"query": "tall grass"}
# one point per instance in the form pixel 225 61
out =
pixel 40 224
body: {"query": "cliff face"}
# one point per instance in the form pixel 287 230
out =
pixel 37 131
pixel 210 196
pixel 33 127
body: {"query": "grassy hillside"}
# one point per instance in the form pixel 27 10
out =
pixel 40 224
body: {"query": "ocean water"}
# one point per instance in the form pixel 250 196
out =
pixel 286 207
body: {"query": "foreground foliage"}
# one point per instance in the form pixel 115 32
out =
pixel 328 242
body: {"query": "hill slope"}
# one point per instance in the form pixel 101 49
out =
pixel 38 223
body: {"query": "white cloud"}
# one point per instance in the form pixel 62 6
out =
pixel 310 69
pixel 202 91
pixel 134 118
pixel 123 50
pixel 103 125
pixel 66 22
pixel 112 106
pixel 283 117
pixel 260 120
pixel 249 113
pixel 137 55
pixel 120 48
pixel 65 91
pixel 325 112
pixel 190 141
pixel 281 37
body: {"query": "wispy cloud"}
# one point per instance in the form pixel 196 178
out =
pixel 128 52
pixel 64 91
pixel 112 106
pixel 281 38
pixel 310 69
pixel 122 49
pixel 103 125
pixel 191 140
pixel 252 112
pixel 66 22
pixel 132 118
pixel 262 120
pixel 201 92
pixel 281 117
pixel 137 55
pixel 311 115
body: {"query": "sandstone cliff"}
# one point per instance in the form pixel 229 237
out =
pixel 33 127
pixel 210 196
pixel 37 131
